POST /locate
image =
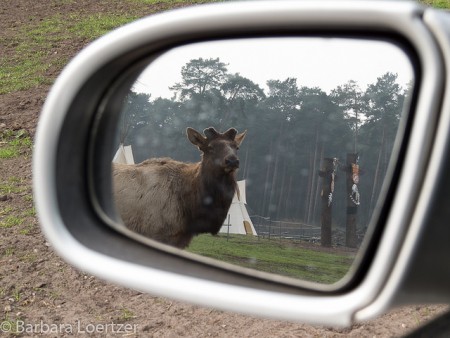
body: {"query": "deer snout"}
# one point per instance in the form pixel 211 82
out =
pixel 232 162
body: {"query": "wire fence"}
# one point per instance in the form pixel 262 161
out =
pixel 266 227
pixel 286 230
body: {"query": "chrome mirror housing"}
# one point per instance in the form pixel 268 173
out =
pixel 402 260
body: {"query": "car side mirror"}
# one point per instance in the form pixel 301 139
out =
pixel 314 156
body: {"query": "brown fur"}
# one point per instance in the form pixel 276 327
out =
pixel 172 201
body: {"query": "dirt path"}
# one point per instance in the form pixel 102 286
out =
pixel 41 293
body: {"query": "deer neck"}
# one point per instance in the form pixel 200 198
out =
pixel 217 189
pixel 211 197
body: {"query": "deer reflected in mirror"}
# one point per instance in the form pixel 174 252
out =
pixel 172 201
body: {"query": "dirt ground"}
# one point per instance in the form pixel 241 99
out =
pixel 37 288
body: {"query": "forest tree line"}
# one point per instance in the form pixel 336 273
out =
pixel 291 128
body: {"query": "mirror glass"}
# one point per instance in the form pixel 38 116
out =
pixel 266 153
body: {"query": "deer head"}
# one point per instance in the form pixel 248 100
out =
pixel 219 149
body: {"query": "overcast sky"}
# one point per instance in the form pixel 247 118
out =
pixel 315 62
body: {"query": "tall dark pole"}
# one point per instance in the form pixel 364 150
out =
pixel 327 173
pixel 353 174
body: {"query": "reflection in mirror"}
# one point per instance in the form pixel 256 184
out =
pixel 277 147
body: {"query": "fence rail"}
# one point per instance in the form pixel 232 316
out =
pixel 272 229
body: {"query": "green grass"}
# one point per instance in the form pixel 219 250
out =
pixel 10 221
pixel 286 258
pixel 127 314
pixel 44 33
pixel 31 212
pixel 16 294
pixel 12 143
pixel 96 25
pixel 437 3
pixel 8 252
pixel 12 186
pixel 11 151
pixel 6 211
pixel 33 43
pixel 10 218
pixel 29 257
pixel 35 47
pixel 8 152
pixel 14 147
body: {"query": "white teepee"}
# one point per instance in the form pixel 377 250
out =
pixel 124 155
pixel 238 221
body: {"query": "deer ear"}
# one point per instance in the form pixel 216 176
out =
pixel 196 138
pixel 230 133
pixel 240 137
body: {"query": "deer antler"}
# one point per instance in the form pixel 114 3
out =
pixel 230 133
pixel 210 133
